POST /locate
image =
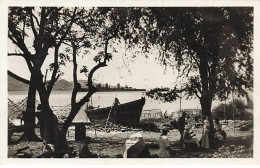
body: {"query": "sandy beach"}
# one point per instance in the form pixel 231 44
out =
pixel 110 145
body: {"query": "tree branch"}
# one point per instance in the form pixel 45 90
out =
pixel 90 83
pixel 23 29
pixel 77 86
pixel 18 77
pixel 195 60
pixel 68 29
pixel 199 89
pixel 36 19
pixel 42 22
pixel 29 64
pixel 17 40
pixel 15 54
pixel 92 88
pixel 196 93
pixel 45 77
pixel 55 70
pixel 67 44
pixel 32 23
pixel 12 39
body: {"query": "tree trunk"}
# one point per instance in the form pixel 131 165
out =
pixel 61 145
pixel 206 103
pixel 29 115
pixel 75 109
pixel 207 93
pixel 49 123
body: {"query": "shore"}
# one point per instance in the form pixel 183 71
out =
pixel 110 145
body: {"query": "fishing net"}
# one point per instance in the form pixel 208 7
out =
pixel 15 111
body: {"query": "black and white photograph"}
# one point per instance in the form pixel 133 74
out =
pixel 129 82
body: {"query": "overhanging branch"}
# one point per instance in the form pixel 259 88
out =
pixel 18 77
pixel 55 70
pixel 90 76
pixel 77 86
pixel 15 54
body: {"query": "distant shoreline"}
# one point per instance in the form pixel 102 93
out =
pixel 140 90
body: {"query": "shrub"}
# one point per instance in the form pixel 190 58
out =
pixel 239 110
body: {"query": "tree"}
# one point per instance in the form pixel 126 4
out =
pixel 43 25
pixel 55 29
pixel 209 47
pixel 97 28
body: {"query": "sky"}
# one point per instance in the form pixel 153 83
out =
pixel 139 72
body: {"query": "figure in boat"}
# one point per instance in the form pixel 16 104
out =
pixel 127 114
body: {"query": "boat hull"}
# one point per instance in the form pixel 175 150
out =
pixel 127 114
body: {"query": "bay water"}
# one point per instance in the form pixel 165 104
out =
pixel 105 99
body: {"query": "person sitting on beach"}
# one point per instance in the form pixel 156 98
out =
pixel 220 134
pixel 188 136
pixel 48 152
pixel 85 152
pixel 164 151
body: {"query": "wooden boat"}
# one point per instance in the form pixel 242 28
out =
pixel 127 114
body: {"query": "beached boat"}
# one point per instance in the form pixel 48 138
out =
pixel 127 114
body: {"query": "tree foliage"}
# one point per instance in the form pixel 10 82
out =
pixel 223 111
pixel 209 47
pixel 33 31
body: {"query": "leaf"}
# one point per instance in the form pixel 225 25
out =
pixel 84 69
pixel 87 44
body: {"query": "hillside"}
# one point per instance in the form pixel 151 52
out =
pixel 63 85
pixel 15 85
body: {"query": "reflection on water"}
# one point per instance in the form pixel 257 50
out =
pixel 104 99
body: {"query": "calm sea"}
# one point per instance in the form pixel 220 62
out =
pixel 105 99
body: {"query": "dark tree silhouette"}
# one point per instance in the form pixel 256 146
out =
pixel 209 47
pixel 48 27
pixel 93 33
pixel 90 29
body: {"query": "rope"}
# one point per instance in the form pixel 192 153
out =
pixel 109 115
pixel 15 109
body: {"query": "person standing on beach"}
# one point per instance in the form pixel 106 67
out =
pixel 205 135
pixel 164 151
pixel 181 125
